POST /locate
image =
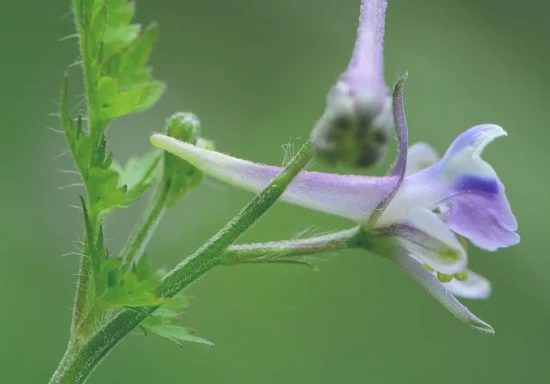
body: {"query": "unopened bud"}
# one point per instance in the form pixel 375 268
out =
pixel 356 126
pixel 184 126
pixel 179 174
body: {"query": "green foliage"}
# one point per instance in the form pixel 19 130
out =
pixel 138 174
pixel 119 56
pixel 175 333
pixel 162 323
pixel 134 289
pixel 118 82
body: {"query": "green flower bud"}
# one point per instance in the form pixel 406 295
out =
pixel 184 126
pixel 179 174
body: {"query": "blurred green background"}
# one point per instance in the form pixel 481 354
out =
pixel 256 72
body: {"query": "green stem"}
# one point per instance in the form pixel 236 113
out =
pixel 272 251
pixel 82 19
pixel 79 362
pixel 138 240
pixel 81 305
pixel 211 253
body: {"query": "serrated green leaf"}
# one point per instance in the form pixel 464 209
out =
pixel 130 66
pixel 153 92
pixel 82 153
pixel 134 289
pixel 108 275
pixel 103 189
pixel 161 322
pixel 120 12
pixel 98 28
pixel 176 333
pixel 173 309
pixel 130 294
pixel 116 39
pixel 116 103
pixel 138 174
pixel 144 269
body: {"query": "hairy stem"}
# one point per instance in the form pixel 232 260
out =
pixel 82 20
pixel 274 250
pixel 145 228
pixel 78 362
pixel 85 274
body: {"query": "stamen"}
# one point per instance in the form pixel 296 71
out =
pixel 429 268
pixel 462 276
pixel 444 278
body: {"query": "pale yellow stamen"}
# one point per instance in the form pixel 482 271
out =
pixel 429 268
pixel 462 276
pixel 444 278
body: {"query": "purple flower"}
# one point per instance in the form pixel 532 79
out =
pixel 421 213
pixel 357 122
pixel 437 203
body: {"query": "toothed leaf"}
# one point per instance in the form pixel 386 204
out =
pixel 138 174
pixel 152 93
pixel 175 333
pixel 103 189
pixel 116 103
pixel 134 289
pixel 161 323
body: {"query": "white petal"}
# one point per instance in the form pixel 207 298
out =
pixel 420 156
pixel 438 291
pixel 423 234
pixel 474 287
pixel 351 197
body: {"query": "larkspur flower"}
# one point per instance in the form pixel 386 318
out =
pixel 357 122
pixel 420 227
pixel 420 214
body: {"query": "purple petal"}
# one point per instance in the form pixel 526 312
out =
pixel 351 197
pixel 367 62
pixel 486 219
pixel 479 209
pixel 468 186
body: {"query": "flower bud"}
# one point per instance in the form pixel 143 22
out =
pixel 358 120
pixel 356 126
pixel 179 174
pixel 184 126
